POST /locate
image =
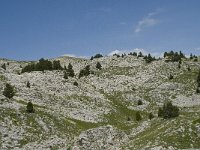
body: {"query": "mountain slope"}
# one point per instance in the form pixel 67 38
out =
pixel 99 113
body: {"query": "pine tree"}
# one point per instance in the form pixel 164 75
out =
pixel 28 84
pixel 191 56
pixel 8 91
pixel 140 102
pixel 165 54
pixel 4 66
pixel 85 72
pixel 179 66
pixel 29 108
pixel 65 75
pixel 70 70
pixel 198 79
pixel 140 54
pixel 168 111
pixel 98 66
pixel 171 77
pixel 57 65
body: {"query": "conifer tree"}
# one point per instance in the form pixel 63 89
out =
pixel 168 111
pixel 140 54
pixel 4 66
pixel 28 84
pixel 65 75
pixel 70 70
pixel 29 108
pixel 198 79
pixel 98 66
pixel 140 102
pixel 8 91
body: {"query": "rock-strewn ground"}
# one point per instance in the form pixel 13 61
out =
pixel 99 113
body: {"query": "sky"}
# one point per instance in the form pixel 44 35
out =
pixel 32 29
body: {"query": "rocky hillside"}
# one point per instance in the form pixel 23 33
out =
pixel 100 113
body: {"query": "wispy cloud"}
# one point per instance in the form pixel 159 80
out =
pixel 122 23
pixel 197 49
pixel 73 55
pixel 137 50
pixel 147 21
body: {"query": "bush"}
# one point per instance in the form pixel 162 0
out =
pixel 140 102
pixel 8 91
pixel 196 59
pixel 168 111
pixel 149 58
pixel 138 116
pixel 151 116
pixel 75 83
pixel 29 108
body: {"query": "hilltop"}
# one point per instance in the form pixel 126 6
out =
pixel 100 111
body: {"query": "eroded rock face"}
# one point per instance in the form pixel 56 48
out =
pixel 100 138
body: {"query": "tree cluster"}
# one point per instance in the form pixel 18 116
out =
pixel 193 57
pixel 117 55
pixel 168 111
pixel 132 54
pixel 85 71
pixel 96 56
pixel 174 56
pixel 43 64
pixel 149 58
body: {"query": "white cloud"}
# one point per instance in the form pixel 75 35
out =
pixel 147 21
pixel 117 52
pixel 73 55
pixel 137 50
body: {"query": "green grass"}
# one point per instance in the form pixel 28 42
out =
pixel 119 116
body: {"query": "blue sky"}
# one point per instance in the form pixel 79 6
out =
pixel 31 29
